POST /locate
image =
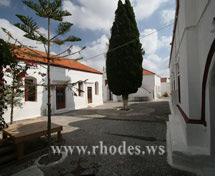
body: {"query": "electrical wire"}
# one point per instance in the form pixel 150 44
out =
pixel 131 41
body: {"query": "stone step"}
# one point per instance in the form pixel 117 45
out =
pixel 199 164
pixel 186 157
pixel 194 161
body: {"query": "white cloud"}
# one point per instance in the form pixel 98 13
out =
pixel 90 58
pixel 151 61
pixel 148 64
pixel 145 8
pixel 151 44
pixel 154 58
pixel 163 72
pixel 44 32
pixel 168 15
pixel 93 14
pixel 18 34
pixel 99 15
pixel 157 64
pixel 165 41
pixel 95 48
pixel 5 3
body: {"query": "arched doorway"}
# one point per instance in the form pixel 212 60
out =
pixel 212 105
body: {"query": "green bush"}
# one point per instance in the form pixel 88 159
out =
pixel 165 94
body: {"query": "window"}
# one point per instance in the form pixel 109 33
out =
pixel 179 82
pixel 174 84
pixel 60 97
pixel 30 89
pixel 96 88
pixel 106 82
pixel 80 89
pixel 173 81
pixel 179 89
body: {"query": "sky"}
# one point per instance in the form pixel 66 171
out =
pixel 92 21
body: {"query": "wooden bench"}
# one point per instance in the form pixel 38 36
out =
pixel 22 131
pixel 140 98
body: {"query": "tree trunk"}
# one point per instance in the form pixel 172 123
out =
pixel 12 104
pixel 2 100
pixel 125 102
pixel 49 88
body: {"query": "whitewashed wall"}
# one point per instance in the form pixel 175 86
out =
pixel 59 75
pixel 157 87
pixel 165 87
pixel 192 42
pixel 30 109
pixel 150 89
pixel 147 89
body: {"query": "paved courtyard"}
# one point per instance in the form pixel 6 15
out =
pixel 144 125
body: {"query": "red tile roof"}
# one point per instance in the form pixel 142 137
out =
pixel 38 56
pixel 163 79
pixel 147 72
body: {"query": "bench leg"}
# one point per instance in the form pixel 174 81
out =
pixel 59 136
pixel 4 135
pixel 20 150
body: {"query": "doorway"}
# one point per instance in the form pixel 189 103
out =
pixel 89 94
pixel 109 95
pixel 212 107
pixel 60 97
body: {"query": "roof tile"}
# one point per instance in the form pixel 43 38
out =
pixel 38 56
pixel 147 72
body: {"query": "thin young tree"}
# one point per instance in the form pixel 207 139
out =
pixel 6 60
pixel 50 10
pixel 14 92
pixel 124 56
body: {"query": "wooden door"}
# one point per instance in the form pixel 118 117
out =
pixel 89 94
pixel 211 85
pixel 60 97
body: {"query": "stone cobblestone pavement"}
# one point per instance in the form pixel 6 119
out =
pixel 143 125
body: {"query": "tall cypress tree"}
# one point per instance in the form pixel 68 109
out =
pixel 50 10
pixel 124 57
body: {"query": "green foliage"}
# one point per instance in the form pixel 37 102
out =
pixel 63 28
pixel 68 39
pixel 50 10
pixel 5 54
pixel 18 97
pixel 14 91
pixel 30 27
pixel 15 72
pixel 165 94
pixel 124 64
pixel 46 9
pixel 6 59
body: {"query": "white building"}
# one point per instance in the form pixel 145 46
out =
pixel 191 126
pixel 165 86
pixel 107 94
pixel 150 89
pixel 88 92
